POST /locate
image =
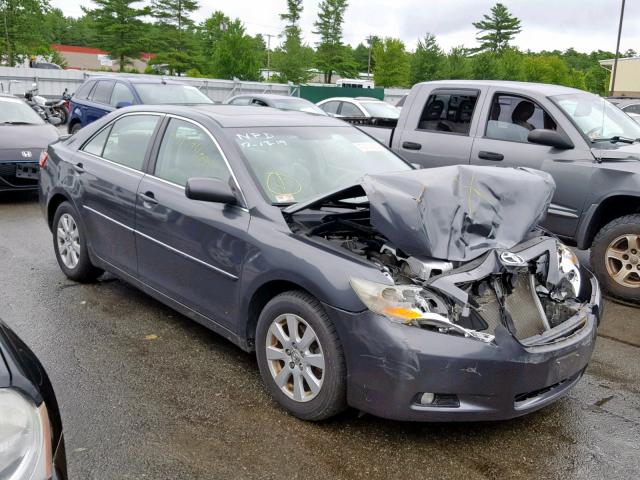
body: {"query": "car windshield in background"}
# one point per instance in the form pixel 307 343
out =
pixel 381 109
pixel 294 164
pixel 162 94
pixel 15 111
pixel 297 104
pixel 597 118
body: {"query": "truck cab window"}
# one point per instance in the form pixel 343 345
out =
pixel 449 111
pixel 512 118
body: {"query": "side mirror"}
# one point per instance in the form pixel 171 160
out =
pixel 550 138
pixel 123 104
pixel 210 190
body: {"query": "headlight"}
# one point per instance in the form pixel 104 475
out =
pixel 411 305
pixel 569 269
pixel 25 438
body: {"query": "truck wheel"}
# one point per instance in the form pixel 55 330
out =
pixel 70 246
pixel 615 258
pixel 300 357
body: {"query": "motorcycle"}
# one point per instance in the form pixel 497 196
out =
pixel 53 111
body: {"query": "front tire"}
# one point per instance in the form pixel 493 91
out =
pixel 615 258
pixel 70 246
pixel 300 357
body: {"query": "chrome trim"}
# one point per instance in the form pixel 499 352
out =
pixel 561 213
pixel 106 217
pixel 168 247
pixel 187 256
pixel 224 156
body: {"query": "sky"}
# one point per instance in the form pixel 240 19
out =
pixel 585 25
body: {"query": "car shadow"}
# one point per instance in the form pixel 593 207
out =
pixel 7 198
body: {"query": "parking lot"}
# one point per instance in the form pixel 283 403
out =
pixel 147 393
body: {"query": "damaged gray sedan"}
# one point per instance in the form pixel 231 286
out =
pixel 358 281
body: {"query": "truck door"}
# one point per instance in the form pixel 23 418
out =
pixel 436 130
pixel 507 120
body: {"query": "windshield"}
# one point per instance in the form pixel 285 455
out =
pixel 381 109
pixel 16 111
pixel 597 118
pixel 298 104
pixel 158 93
pixel 294 164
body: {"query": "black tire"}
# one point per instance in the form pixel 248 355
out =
pixel 331 398
pixel 84 271
pixel 629 224
pixel 75 127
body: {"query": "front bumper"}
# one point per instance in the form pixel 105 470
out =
pixel 18 176
pixel 390 365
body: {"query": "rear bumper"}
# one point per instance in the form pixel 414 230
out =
pixel 390 365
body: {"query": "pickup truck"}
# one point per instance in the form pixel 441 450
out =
pixel 590 147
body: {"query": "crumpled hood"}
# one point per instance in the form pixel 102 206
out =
pixel 25 137
pixel 620 153
pixel 457 213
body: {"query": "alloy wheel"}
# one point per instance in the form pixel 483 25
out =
pixel 623 260
pixel 295 357
pixel 68 239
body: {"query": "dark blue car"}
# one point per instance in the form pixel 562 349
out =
pixel 98 96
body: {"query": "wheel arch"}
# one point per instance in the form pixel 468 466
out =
pixel 56 200
pixel 612 207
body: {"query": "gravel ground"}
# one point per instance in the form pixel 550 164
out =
pixel 146 393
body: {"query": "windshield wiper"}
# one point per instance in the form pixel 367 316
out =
pixel 617 139
pixel 17 123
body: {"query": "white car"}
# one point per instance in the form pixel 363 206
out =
pixel 358 107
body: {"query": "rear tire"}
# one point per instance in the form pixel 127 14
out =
pixel 615 258
pixel 304 372
pixel 75 128
pixel 70 246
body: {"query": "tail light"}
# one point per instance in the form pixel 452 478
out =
pixel 44 156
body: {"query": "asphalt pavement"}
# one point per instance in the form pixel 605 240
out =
pixel 146 393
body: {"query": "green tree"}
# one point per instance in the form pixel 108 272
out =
pixel 426 62
pixel 21 29
pixel 176 37
pixel 457 65
pixel 228 51
pixel 293 59
pixel 392 63
pixel 122 33
pixel 331 54
pixel 497 29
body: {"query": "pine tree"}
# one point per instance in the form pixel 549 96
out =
pixel 426 62
pixel 122 31
pixel 331 54
pixel 177 32
pixel 497 29
pixel 293 59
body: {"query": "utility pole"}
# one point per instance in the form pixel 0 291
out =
pixel 615 61
pixel 268 35
pixel 370 40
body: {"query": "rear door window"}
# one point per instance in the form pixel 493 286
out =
pixel 129 140
pixel 102 92
pixel 449 111
pixel 350 110
pixel 96 144
pixel 331 107
pixel 512 118
pixel 240 101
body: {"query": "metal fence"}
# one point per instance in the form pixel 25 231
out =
pixel 51 83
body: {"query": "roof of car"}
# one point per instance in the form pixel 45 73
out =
pixel 546 89
pixel 137 79
pixel 267 96
pixel 244 116
pixel 351 99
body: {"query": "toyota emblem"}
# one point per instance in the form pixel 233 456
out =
pixel 26 154
pixel 511 259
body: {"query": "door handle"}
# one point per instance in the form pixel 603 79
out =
pixel 148 199
pixel 79 167
pixel 411 146
pixel 496 157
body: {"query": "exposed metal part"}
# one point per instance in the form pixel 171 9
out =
pixel 425 268
pixel 438 321
pixel 536 301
